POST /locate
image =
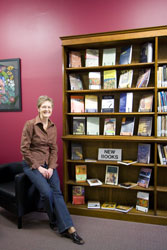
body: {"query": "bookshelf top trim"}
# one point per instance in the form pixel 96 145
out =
pixel 140 33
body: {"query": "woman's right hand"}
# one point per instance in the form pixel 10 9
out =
pixel 44 172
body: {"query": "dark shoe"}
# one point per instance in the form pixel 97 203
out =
pixel 74 237
pixel 53 226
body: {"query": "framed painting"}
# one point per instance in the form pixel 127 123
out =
pixel 10 85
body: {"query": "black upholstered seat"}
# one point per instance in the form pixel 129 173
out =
pixel 17 194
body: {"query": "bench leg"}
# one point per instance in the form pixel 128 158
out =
pixel 19 225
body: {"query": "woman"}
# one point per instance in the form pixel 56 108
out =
pixel 39 150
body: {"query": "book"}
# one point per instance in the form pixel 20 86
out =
pixel 127 126
pixel 111 175
pixel 110 79
pixel 78 125
pixel 93 204
pixel 125 79
pixel 107 103
pixel 142 203
pixel 161 154
pixel 143 154
pixel 143 78
pixel 109 126
pixel 94 182
pixel 126 55
pixel 76 151
pixel 126 162
pixel 80 173
pixel 77 104
pixel 74 59
pixel 109 56
pixel 78 195
pixel 93 125
pixel 146 54
pixel 108 206
pixel 144 177
pixel 94 80
pixel 145 126
pixel 91 104
pixel 75 82
pixel 123 208
pixel 128 185
pixel 126 102
pixel 92 57
pixel 146 103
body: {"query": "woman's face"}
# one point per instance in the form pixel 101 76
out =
pixel 45 110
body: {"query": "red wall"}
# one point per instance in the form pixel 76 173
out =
pixel 30 30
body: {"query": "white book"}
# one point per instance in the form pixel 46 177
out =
pixel 94 182
pixel 109 56
pixel 125 80
pixel 92 125
pixel 93 204
pixel 159 125
pixel 91 103
pixel 94 80
pixel 92 57
pixel 129 102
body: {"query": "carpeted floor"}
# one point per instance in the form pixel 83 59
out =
pixel 99 234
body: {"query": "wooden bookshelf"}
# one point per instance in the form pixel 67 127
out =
pixel 157 189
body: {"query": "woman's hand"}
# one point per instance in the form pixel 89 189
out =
pixel 44 172
pixel 50 172
pixel 47 173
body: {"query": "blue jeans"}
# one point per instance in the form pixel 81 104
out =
pixel 52 197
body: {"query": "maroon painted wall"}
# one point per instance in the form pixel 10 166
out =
pixel 30 30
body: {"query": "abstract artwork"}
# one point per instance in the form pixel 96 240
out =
pixel 10 85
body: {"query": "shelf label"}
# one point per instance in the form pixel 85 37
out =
pixel 109 154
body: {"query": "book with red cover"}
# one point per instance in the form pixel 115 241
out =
pixel 78 195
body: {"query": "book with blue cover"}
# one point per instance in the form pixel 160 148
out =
pixel 126 102
pixel 126 55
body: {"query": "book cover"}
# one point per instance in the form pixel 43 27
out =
pixel 74 59
pixel 128 184
pixel 110 79
pixel 144 177
pixel 94 182
pixel 111 176
pixel 125 79
pixel 146 54
pixel 93 125
pixel 76 151
pixel 78 195
pixel 123 208
pixel 107 104
pixel 109 126
pixel 109 56
pixel 126 55
pixel 142 203
pixel 108 205
pixel 92 57
pixel 143 78
pixel 127 126
pixel 75 82
pixel 161 154
pixel 78 125
pixel 126 102
pixel 145 126
pixel 146 103
pixel 143 154
pixel 91 104
pixel 93 204
pixel 77 104
pixel 94 80
pixel 80 173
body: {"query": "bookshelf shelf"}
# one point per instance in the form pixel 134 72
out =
pixel 90 144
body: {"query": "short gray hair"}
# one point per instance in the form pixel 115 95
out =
pixel 42 99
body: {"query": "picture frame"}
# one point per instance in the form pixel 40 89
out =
pixel 10 85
